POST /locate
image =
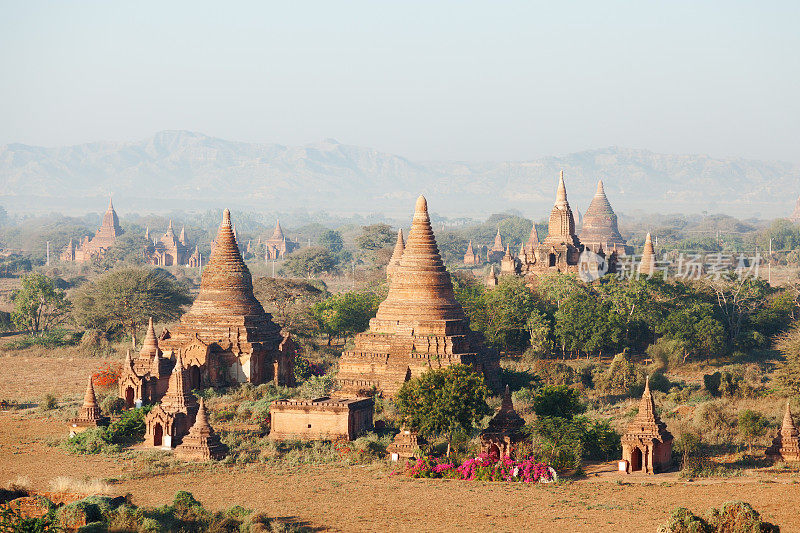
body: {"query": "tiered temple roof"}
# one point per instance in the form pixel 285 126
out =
pixel 89 414
pixel 225 309
pixel 600 223
pixel 419 325
pixel 202 443
pixel 646 425
pixel 561 228
pixel 786 444
pixel 226 332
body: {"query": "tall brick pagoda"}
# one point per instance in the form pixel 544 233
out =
pixel 226 336
pixel 419 326
pixel 600 230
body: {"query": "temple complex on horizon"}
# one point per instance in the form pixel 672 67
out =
pixel 96 247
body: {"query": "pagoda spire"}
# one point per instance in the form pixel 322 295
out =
pixel 397 254
pixel 178 395
pixel 788 427
pixel 420 287
pixel 648 263
pixel 561 194
pixel 150 343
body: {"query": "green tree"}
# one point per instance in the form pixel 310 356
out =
pixel 621 375
pixel 442 401
pixel 332 241
pixel 559 401
pixel 309 261
pixel 697 328
pixel 124 299
pixel 540 330
pixel 290 301
pixel 376 236
pixel 39 305
pixel 751 426
pixel 788 344
pixel 345 314
pixel 508 308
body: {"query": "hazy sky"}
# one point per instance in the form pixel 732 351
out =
pixel 428 80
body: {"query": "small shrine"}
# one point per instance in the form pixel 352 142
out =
pixel 504 431
pixel 168 422
pixel 786 444
pixel 202 443
pixel 89 415
pixel 646 444
pixel 405 445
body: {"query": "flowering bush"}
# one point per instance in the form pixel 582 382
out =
pixel 304 368
pixel 482 468
pixel 106 376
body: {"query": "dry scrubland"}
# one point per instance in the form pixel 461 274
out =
pixel 362 497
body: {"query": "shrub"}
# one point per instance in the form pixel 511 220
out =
pixel 49 402
pixel 112 404
pixel 731 517
pixel 130 427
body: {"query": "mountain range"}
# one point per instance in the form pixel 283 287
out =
pixel 186 170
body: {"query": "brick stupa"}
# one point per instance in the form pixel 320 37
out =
pixel 202 443
pixel 500 438
pixel 647 444
pixel 786 444
pixel 89 414
pixel 146 378
pixel 600 229
pixel 419 326
pixel 226 337
pixel 647 266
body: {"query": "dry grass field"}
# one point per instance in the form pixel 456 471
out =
pixel 363 498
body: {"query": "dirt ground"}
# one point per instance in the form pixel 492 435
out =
pixel 368 498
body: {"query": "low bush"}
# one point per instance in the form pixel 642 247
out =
pixel 731 517
pixel 54 338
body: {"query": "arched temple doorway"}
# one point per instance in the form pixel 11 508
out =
pixel 636 460
pixel 129 397
pixel 158 435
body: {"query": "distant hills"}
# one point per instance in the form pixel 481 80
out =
pixel 187 170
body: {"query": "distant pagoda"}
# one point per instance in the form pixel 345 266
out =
pixel 647 266
pixel 796 214
pixel 399 248
pixel 600 230
pixel 420 325
pixel 96 247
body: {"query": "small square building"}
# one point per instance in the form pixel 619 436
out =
pixel 321 418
